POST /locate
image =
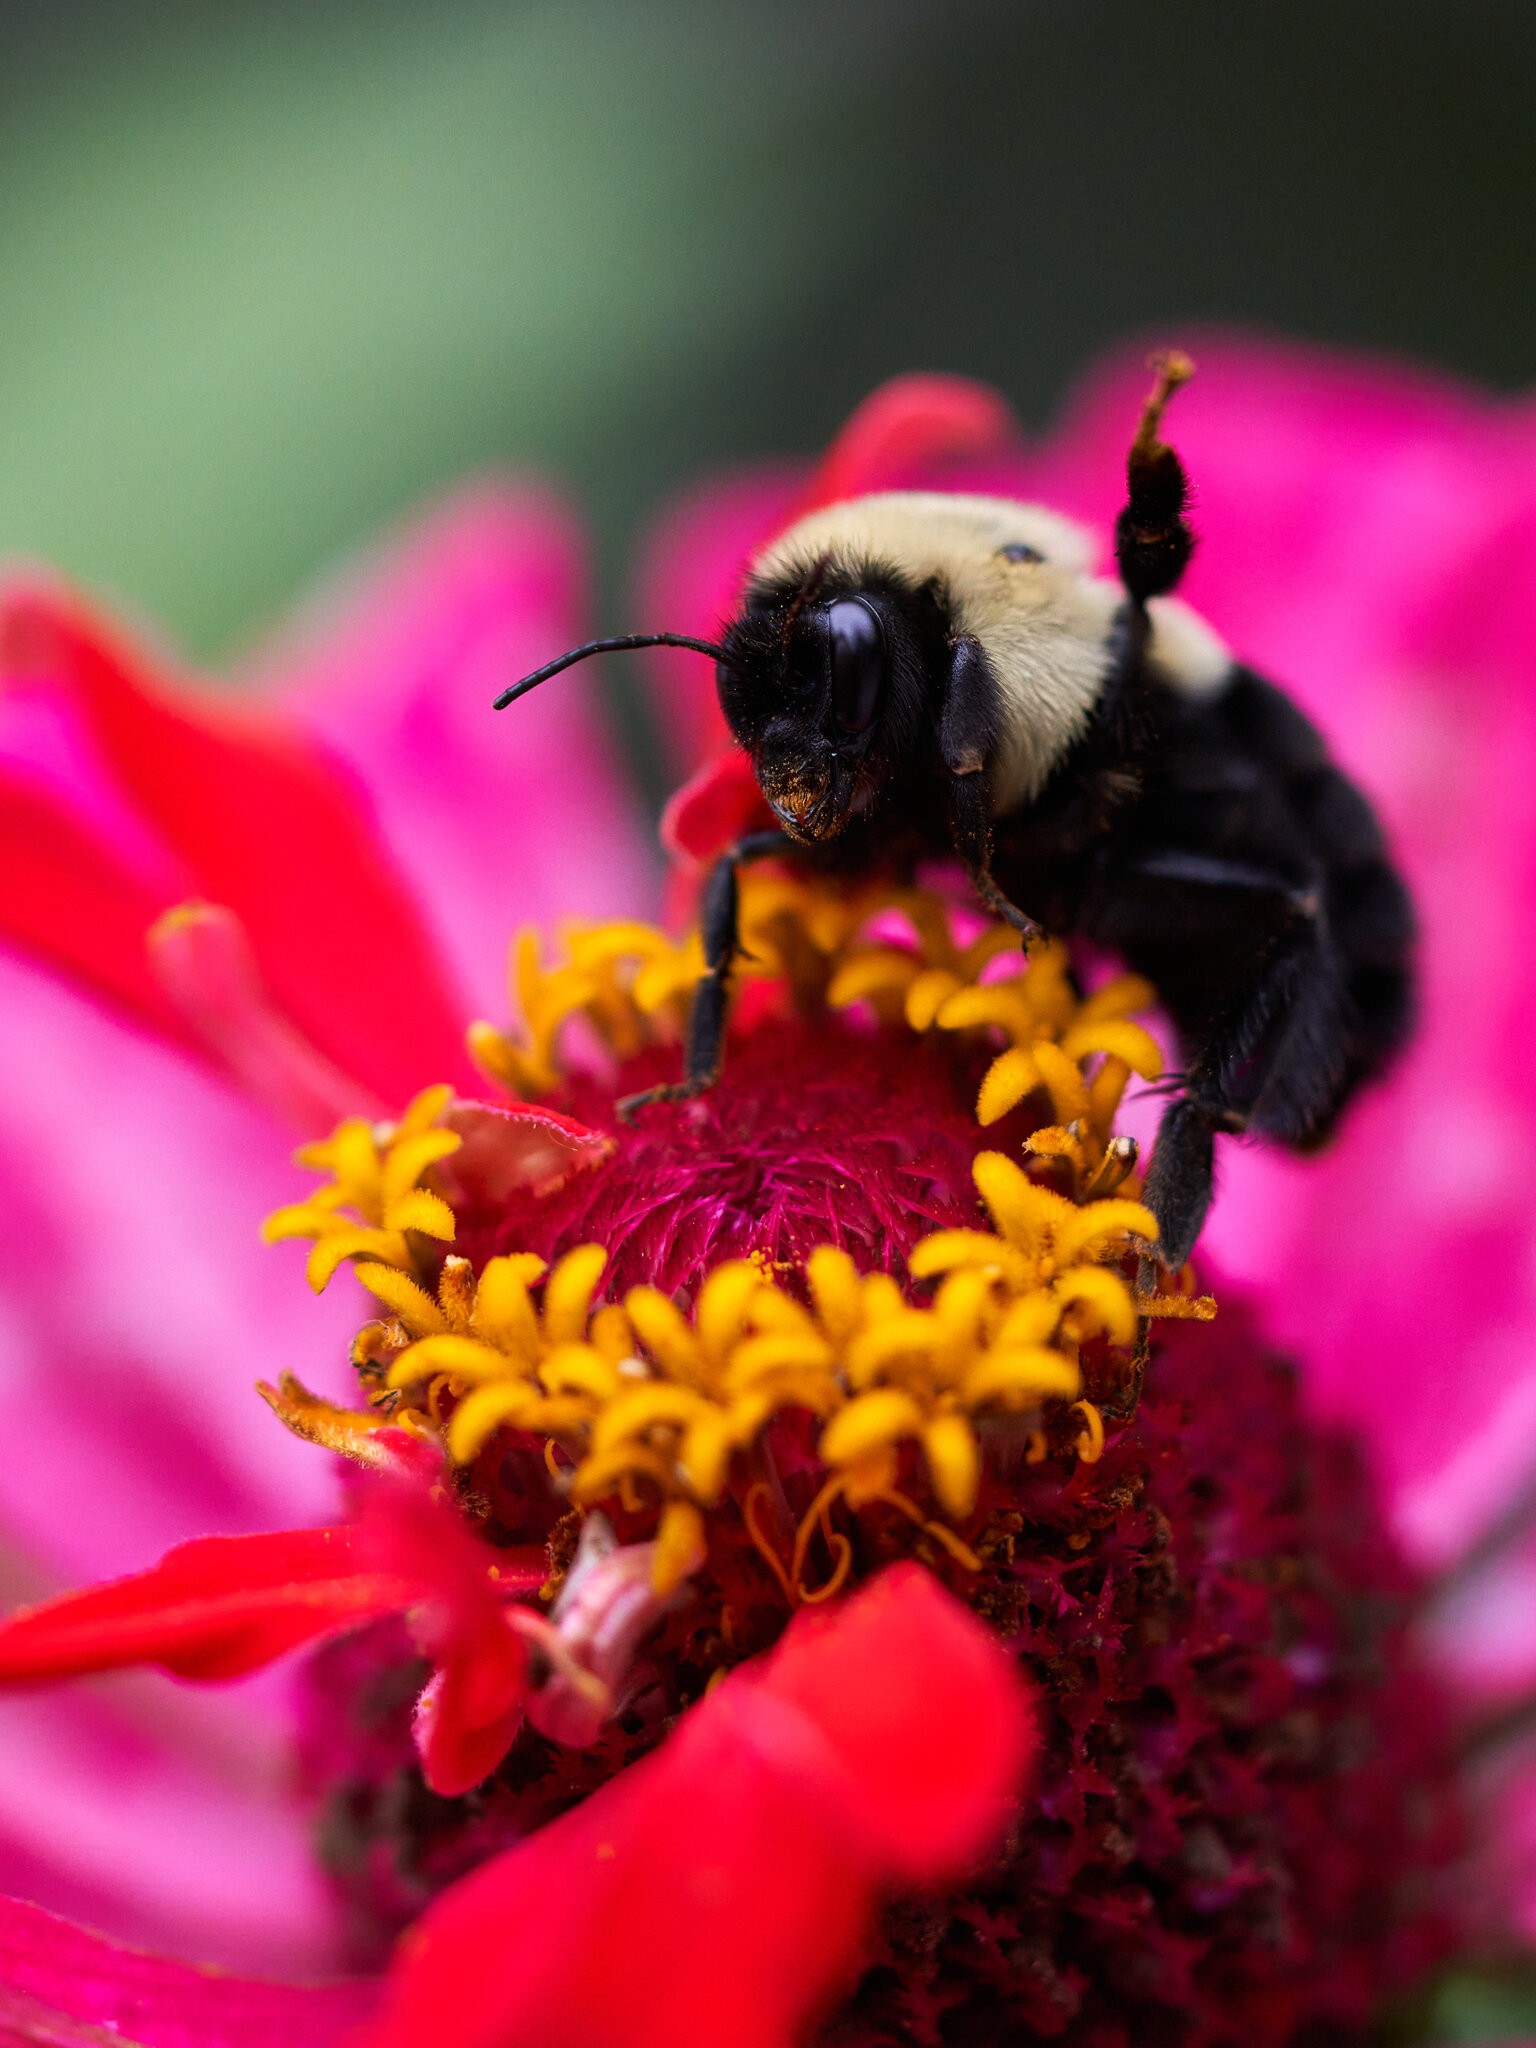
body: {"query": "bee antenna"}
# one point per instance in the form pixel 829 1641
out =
pixel 621 645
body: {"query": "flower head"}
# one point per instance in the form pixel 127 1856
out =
pixel 799 1534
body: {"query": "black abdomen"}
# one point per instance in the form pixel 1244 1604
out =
pixel 1249 880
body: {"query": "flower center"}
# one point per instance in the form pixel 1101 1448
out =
pixel 720 1374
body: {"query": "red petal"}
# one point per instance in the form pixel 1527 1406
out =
pixel 722 1890
pixel 468 1716
pixel 61 1985
pixel 472 1708
pixel 213 1608
pixel 271 826
pixel 909 424
pixel 715 806
pixel 521 1150
pixel 70 899
pixel 895 1680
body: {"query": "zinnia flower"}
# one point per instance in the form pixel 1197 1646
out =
pixel 709 1462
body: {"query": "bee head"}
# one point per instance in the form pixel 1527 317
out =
pixel 814 684
pixel 821 679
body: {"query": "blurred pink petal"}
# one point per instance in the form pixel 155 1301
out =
pixel 137 1307
pixel 73 902
pixel 167 1815
pixel 499 819
pixel 52 1974
pixel 1511 1792
pixel 200 956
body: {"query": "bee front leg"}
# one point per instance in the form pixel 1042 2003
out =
pixel 969 721
pixel 711 996
pixel 971 830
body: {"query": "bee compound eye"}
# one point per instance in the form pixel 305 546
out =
pixel 856 652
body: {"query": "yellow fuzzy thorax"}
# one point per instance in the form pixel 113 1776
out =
pixel 660 1404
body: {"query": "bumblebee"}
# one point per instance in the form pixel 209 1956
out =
pixel 914 673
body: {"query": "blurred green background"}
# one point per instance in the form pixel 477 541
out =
pixel 269 272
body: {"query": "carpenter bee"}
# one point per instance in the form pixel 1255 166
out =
pixel 915 673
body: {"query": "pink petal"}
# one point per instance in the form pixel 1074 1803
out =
pixel 722 1889
pixel 137 1304
pixel 68 899
pixel 52 1974
pixel 166 1816
pixel 500 819
pixel 1511 1796
pixel 202 959
pixel 137 1308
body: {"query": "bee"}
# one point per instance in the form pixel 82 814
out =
pixel 916 673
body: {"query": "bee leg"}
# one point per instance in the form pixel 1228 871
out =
pixel 1182 1176
pixel 1247 966
pixel 711 995
pixel 971 828
pixel 1153 541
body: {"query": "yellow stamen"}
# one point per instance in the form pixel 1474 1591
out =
pixel 758 1492
pixel 680 1545
pixel 960 1551
pixel 350 1432
pixel 817 1515
pixel 1090 1445
pixel 379 1172
pixel 665 1407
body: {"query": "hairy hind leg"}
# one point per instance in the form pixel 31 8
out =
pixel 1276 1062
pixel 1272 1054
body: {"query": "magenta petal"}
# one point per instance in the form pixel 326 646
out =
pixel 53 1974
pixel 500 820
